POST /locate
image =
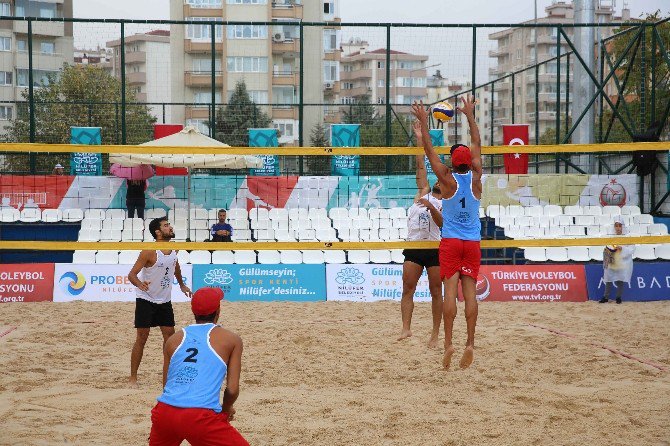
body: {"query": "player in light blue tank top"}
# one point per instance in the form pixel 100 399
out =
pixel 195 370
pixel 460 213
pixel 460 252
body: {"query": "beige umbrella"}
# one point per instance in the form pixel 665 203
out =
pixel 189 137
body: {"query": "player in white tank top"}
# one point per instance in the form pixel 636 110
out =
pixel 152 274
pixel 424 223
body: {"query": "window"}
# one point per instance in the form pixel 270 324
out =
pixel 22 46
pixel 347 100
pixel 247 2
pixel 283 97
pixel 330 71
pixel 532 54
pixel 48 48
pixel 380 100
pixel 552 51
pixel 285 129
pixel 285 30
pixel 5 113
pixel 6 78
pixel 348 68
pixel 381 83
pixel 40 77
pixel 532 35
pixel 257 96
pixel 381 65
pixel 347 85
pixel 411 82
pixel 202 32
pixel 329 40
pixel 247 32
pixel 48 11
pixel 204 66
pixel 247 64
pixel 328 8
pixel 204 3
pixel 408 65
pixel 205 97
pixel 518 54
pixel 4 9
pixel 5 43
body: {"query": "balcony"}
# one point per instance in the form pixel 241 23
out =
pixel 544 116
pixel 202 79
pixel 289 78
pixel 286 9
pixel 283 45
pixel 136 57
pixel 284 112
pixel 53 29
pixel 190 11
pixel 498 52
pixel 197 112
pixel 357 74
pixel 200 46
pixel 138 78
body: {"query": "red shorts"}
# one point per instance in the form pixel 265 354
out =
pixel 459 256
pixel 200 427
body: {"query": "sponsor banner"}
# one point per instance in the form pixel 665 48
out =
pixel 265 138
pixel 369 283
pixel 86 163
pixel 531 283
pixel 26 282
pixel 650 281
pixel 298 283
pixel 515 135
pixel 103 283
pixel 345 135
pixel 437 138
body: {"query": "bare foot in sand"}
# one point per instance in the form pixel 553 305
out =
pixel 132 383
pixel 404 334
pixel 468 357
pixel 432 342
pixel 448 353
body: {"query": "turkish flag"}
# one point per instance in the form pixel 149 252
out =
pixel 161 131
pixel 516 135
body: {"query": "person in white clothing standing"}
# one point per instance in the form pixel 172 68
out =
pixel 617 265
pixel 153 305
pixel 424 223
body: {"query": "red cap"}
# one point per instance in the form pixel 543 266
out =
pixel 206 301
pixel 461 155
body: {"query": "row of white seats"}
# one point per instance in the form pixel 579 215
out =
pixel 552 210
pixel 249 257
pixel 34 215
pixel 586 254
pixel 138 223
pixel 568 220
pixel 575 231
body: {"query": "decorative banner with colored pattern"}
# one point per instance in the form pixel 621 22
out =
pixel 86 163
pixel 265 138
pixel 345 135
pixel 437 138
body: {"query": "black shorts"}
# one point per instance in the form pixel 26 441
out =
pixel 424 257
pixel 149 314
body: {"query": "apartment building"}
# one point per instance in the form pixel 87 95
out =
pixel 516 50
pixel 53 45
pixel 148 67
pixel 98 57
pixel 364 74
pixel 266 57
pixel 440 88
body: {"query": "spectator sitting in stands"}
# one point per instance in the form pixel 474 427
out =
pixel 58 170
pixel 222 231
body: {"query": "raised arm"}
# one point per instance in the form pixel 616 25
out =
pixel 468 109
pixel 422 185
pixel 442 171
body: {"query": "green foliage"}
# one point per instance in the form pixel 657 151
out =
pixel 80 96
pixel 318 165
pixel 318 136
pixel 238 116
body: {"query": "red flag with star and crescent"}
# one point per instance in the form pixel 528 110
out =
pixel 516 135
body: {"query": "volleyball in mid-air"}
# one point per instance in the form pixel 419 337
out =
pixel 443 111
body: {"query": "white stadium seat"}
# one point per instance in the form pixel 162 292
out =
pixel 322 223
pixel 380 256
pixel 269 257
pixel 95 213
pixel 637 229
pixel 280 223
pixel 596 253
pixel 245 257
pixel 290 257
pixel 630 210
pixel 264 235
pixel 128 257
pixel 278 214
pixel 183 257
pixel 110 235
pixel 643 219
pixel 107 257
pixel 533 211
pixel 116 214
pixel 524 221
pixel 73 215
pixel 338 213
pixel 663 251
pixel 657 229
pixel 326 235
pixel 575 231
pixel 306 235
pixel 89 235
pixel 552 210
pixel 112 224
pixel 317 213
pixel 241 235
pixel 150 214
pixel 132 235
pixel 90 223
pixel 495 210
pixel 397 212
pixel 533 232
pixel 84 257
pixel 358 213
pixel 200 257
pixel 200 235
pixel 236 214
pixel 285 235
pixel 358 256
pixel 236 224
pixel 535 254
pixel 397 256
pixel 348 235
pixel 223 257
pixel 298 214
pixel 554 231
pixel 505 221
pixel 645 252
pixel 200 214
pixel 585 220
pixel 594 231
pixel 30 215
pixel 557 254
pixel 573 210
pixel 612 211
pixel 259 214
pixel 313 257
pixel 52 215
pixel 334 256
pixel 579 253
pixel 514 211
pixel 592 210
pixel 563 220
pixel 261 224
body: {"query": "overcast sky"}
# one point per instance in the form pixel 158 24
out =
pixel 450 48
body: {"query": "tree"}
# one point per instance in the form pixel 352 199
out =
pixel 362 112
pixel 318 137
pixel 318 165
pixel 238 116
pixel 80 96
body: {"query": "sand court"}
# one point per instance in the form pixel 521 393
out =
pixel 333 373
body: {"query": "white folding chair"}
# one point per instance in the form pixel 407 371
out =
pixel 52 215
pixel 245 257
pixel 290 257
pixel 269 257
pixel 557 254
pixel 645 252
pixel 380 256
pixel 72 215
pixel 128 257
pixel 313 257
pixel 358 256
pixel 535 254
pixel 223 257
pixel 84 257
pixel 107 257
pixel 200 257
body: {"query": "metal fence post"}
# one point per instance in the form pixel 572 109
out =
pixel 474 57
pixel 537 110
pixel 493 94
pixel 602 99
pixel 212 122
pixel 643 78
pixel 124 136
pixel 31 95
pixel 567 92
pixel 652 119
pixel 301 103
pixel 389 139
pixel 558 92
pixel 513 99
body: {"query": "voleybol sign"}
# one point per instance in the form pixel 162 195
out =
pixel 299 283
pixel 369 283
